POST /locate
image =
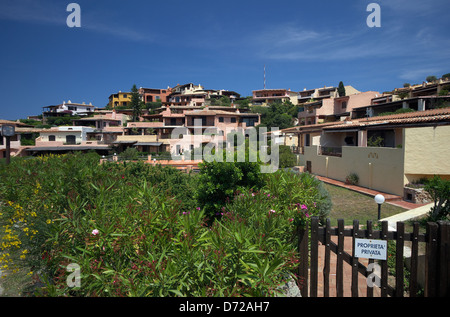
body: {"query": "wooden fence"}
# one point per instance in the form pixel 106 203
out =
pixel 437 239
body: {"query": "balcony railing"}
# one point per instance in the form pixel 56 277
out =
pixel 330 151
pixel 298 149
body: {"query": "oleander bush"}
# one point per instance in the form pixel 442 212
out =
pixel 139 230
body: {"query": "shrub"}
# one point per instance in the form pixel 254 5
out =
pixel 293 190
pixel 352 179
pixel 136 229
pixel 287 158
pixel 218 181
pixel 130 153
pixel 439 189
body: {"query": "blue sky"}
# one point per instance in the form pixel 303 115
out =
pixel 218 44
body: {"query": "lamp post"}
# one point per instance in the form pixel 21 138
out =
pixel 379 199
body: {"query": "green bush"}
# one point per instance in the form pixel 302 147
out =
pixel 138 230
pixel 304 190
pixel 287 158
pixel 439 189
pixel 352 179
pixel 218 181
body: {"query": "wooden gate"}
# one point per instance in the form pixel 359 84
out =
pixel 437 258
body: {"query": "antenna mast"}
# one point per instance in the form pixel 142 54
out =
pixel 264 76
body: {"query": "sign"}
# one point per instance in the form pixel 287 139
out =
pixel 8 130
pixel 371 249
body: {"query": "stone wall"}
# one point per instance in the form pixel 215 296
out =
pixel 417 195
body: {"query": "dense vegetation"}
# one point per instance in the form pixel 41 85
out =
pixel 138 230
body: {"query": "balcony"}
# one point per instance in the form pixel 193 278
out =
pixel 330 151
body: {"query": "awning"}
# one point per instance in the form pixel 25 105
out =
pixel 148 144
pixel 124 142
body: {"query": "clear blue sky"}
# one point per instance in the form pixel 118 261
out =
pixel 218 44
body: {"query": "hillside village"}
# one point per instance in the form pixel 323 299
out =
pixel 388 140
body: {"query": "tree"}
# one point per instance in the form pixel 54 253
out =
pixel 439 189
pixel 136 104
pixel 278 114
pixel 341 89
pixel 431 78
pixel 446 76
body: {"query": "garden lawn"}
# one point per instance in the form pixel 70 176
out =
pixel 350 205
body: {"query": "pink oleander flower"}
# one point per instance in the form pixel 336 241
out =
pixel 315 205
pixel 304 207
pixel 268 195
pixel 272 211
pixel 95 232
pixel 253 194
pixel 291 219
pixel 198 208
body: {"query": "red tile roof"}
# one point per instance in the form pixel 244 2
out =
pixel 434 115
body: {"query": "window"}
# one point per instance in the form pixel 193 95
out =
pixel 71 139
pixel 220 119
pixel 173 121
pixel 344 104
pixel 51 138
pixel 233 120
pixel 125 96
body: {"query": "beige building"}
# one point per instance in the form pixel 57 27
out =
pixel 265 97
pixel 386 152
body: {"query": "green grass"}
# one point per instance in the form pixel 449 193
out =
pixel 350 205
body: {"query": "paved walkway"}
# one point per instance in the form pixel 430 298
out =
pixel 389 198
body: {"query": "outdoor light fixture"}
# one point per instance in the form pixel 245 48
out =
pixel 379 199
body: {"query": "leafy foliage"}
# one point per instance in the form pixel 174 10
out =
pixel 138 230
pixel 278 114
pixel 439 189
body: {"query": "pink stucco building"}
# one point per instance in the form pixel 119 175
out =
pixel 333 108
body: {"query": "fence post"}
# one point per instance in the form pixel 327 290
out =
pixel 314 256
pixel 431 254
pixel 326 268
pixel 384 265
pixel 399 262
pixel 369 236
pixel 413 286
pixel 340 260
pixel 303 260
pixel 443 259
pixel 355 260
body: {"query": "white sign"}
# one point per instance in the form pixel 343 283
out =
pixel 371 249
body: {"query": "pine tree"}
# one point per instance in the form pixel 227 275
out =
pixel 135 103
pixel 341 89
